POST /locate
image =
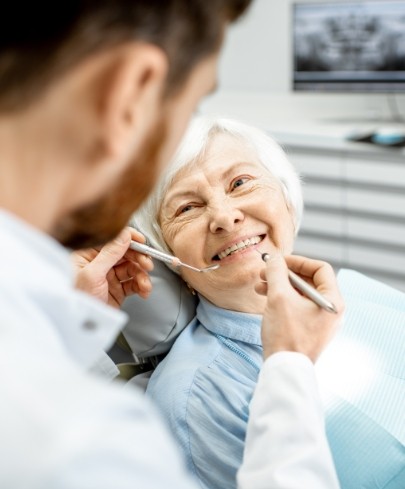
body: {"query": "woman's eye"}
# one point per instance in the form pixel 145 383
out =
pixel 186 208
pixel 239 181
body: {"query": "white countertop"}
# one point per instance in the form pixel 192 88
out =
pixel 295 121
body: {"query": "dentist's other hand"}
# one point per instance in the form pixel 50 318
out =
pixel 292 322
pixel 114 271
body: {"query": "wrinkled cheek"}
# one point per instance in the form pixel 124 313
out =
pixel 169 234
pixel 289 241
pixel 288 248
pixel 283 238
pixel 187 253
pixel 178 245
pixel 182 240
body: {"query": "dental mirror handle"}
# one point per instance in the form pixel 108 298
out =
pixel 159 255
pixel 165 257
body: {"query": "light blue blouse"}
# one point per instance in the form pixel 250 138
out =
pixel 204 387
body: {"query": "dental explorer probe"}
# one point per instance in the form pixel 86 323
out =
pixel 306 289
pixel 165 257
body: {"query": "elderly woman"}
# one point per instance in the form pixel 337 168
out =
pixel 229 196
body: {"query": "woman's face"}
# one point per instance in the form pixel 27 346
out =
pixel 224 210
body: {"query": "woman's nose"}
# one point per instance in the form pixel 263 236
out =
pixel 224 217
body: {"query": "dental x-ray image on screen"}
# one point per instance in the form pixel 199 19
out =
pixel 349 46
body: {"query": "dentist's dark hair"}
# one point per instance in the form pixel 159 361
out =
pixel 41 40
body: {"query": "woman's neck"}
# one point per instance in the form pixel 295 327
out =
pixel 241 300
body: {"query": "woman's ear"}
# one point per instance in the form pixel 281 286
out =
pixel 190 288
pixel 130 97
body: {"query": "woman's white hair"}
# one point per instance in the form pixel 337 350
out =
pixel 201 131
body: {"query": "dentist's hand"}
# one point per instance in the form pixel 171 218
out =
pixel 292 322
pixel 115 271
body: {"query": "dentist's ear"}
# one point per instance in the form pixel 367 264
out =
pixel 131 94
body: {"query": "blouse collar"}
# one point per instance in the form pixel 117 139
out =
pixel 239 326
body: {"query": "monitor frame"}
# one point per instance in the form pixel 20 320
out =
pixel 341 81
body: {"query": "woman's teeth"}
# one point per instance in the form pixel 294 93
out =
pixel 240 246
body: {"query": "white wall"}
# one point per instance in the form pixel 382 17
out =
pixel 257 49
pixel 257 60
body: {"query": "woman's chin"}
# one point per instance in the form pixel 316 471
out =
pixel 240 273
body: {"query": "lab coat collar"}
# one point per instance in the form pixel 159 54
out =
pixel 41 274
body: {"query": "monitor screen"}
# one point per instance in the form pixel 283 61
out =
pixel 349 46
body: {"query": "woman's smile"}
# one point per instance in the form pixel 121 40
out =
pixel 240 246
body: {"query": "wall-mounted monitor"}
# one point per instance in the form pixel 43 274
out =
pixel 349 46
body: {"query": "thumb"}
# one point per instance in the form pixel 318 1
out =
pixel 276 272
pixel 112 252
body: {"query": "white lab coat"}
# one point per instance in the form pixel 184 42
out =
pixel 286 445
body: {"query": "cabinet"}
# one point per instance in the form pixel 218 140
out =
pixel 354 208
